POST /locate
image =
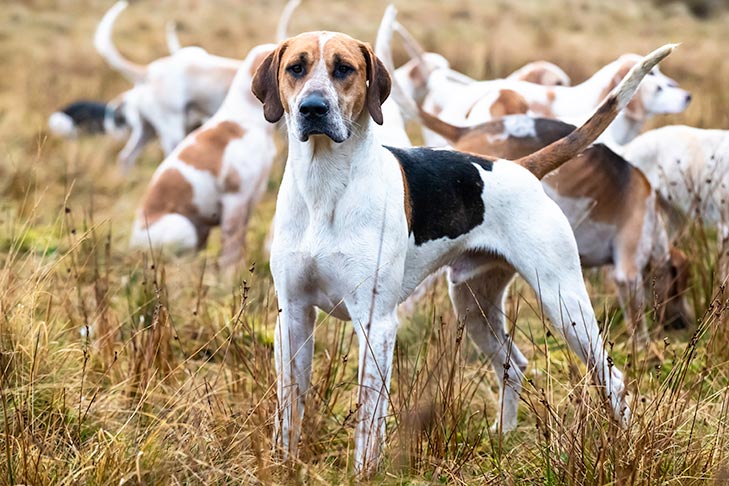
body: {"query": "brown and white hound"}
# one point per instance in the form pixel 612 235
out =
pixel 358 226
pixel 215 176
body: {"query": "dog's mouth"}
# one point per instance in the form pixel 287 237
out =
pixel 327 130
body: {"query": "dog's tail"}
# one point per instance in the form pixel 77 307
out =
pixel 552 156
pixel 173 42
pixel 282 29
pixel 383 49
pixel 105 46
pixel 412 47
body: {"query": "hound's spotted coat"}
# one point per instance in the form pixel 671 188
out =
pixel 214 177
pixel 343 241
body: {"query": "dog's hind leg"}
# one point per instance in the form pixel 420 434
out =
pixel 541 247
pixel 141 134
pixel 479 303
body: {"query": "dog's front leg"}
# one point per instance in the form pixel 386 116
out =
pixel 293 349
pixel 376 339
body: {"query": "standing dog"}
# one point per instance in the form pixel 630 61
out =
pixel 171 95
pixel 215 176
pixel 689 167
pixel 482 101
pixel 358 226
pixel 610 204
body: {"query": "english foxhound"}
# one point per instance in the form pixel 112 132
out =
pixel 358 226
pixel 610 204
pixel 172 95
pixel 482 101
pixel 215 176
pixel 689 167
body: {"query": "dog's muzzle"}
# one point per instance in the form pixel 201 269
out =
pixel 315 118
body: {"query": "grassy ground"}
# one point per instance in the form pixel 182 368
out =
pixel 119 366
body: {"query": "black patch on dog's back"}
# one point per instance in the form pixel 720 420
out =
pixel 445 191
pixel 87 115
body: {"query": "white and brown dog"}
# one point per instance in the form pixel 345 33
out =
pixel 214 177
pixel 689 167
pixel 172 95
pixel 610 204
pixel 358 226
pixel 459 103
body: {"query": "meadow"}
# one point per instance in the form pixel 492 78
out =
pixel 118 366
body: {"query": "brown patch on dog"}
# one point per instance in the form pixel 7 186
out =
pixel 617 189
pixel 172 193
pixel 169 193
pixel 207 149
pixel 407 204
pixel 509 102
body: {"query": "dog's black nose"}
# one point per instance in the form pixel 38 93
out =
pixel 688 98
pixel 314 106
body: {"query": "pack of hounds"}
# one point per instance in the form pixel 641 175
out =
pixel 526 175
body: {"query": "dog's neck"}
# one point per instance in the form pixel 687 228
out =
pixel 625 128
pixel 240 104
pixel 323 170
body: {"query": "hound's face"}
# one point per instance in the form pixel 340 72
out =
pixel 661 94
pixel 326 82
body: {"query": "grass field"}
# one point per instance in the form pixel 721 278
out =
pixel 127 367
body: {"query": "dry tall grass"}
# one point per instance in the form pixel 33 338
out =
pixel 126 367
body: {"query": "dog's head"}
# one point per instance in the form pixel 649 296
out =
pixel 120 114
pixel 658 94
pixel 326 82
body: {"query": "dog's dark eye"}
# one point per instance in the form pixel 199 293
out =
pixel 342 71
pixel 296 69
pixel 659 89
pixel 651 73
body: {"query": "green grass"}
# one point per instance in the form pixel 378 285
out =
pixel 172 380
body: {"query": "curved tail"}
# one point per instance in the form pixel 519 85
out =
pixel 552 156
pixel 282 29
pixel 105 46
pixel 383 49
pixel 173 42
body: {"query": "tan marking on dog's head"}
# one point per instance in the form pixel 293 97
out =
pixel 207 149
pixel 509 102
pixel 542 76
pixel 359 79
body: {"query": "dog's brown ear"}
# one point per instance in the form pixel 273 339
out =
pixel 378 83
pixel 265 85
